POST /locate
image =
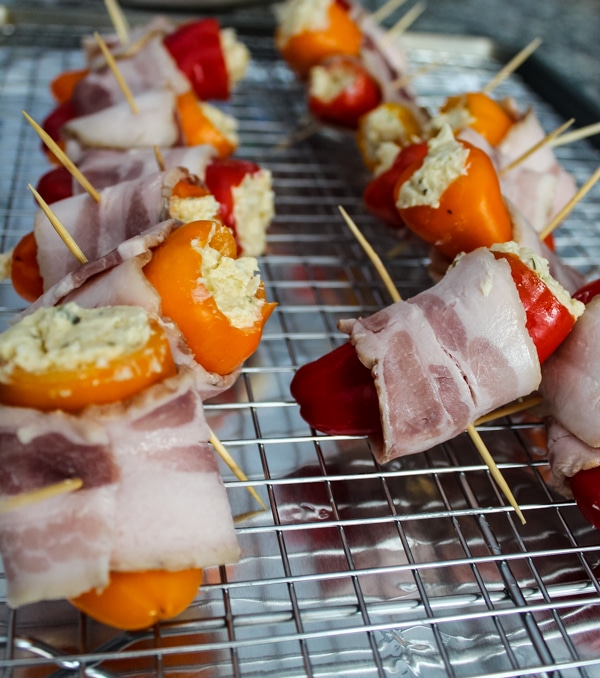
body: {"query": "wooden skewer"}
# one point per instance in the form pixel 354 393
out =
pixel 237 471
pixel 386 10
pixel 63 158
pixel 474 435
pixel 160 161
pixel 404 23
pixel 512 65
pixel 407 78
pixel 305 131
pixel 569 206
pixel 513 408
pixel 23 499
pixel 58 227
pixel 112 64
pixel 576 135
pixel 118 20
pixel 546 141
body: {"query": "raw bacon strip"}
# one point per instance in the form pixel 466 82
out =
pixel 571 379
pixel 447 356
pixel 151 67
pixel 124 210
pixel 153 496
pixel 107 167
pixel 154 124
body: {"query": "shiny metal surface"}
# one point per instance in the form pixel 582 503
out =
pixel 418 568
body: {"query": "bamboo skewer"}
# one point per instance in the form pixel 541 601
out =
pixel 24 499
pixel 119 21
pixel 546 141
pixel 576 135
pixel 160 161
pixel 569 206
pixel 513 408
pixel 112 64
pixel 58 227
pixel 386 10
pixel 512 65
pixel 407 78
pixel 237 471
pixel 474 435
pixel 404 23
pixel 63 158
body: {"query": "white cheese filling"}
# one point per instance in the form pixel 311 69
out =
pixel 540 265
pixel 446 160
pixel 254 207
pixel 232 283
pixel 382 125
pixel 235 53
pixel 226 124
pixel 296 16
pixel 189 209
pixel 69 338
pixel 326 84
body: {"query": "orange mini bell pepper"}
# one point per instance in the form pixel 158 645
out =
pixel 72 389
pixel 63 86
pixel 24 269
pixel 488 117
pixel 197 128
pixel 308 48
pixel 137 600
pixel 471 212
pixel 175 271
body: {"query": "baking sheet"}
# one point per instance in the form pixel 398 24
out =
pixel 416 568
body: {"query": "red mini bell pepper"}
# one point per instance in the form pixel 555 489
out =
pixel 337 394
pixel 378 195
pixel 222 175
pixel 196 48
pixel 341 90
pixel 56 184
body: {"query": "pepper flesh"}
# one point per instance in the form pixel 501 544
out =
pixel 196 48
pixel 196 127
pixel 137 600
pixel 222 175
pixel 217 345
pixel 24 269
pixel 56 184
pixel 337 394
pixel 308 48
pixel 379 197
pixel 487 117
pixel 359 93
pixel 73 389
pixel 471 212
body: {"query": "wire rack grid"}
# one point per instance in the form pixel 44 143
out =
pixel 415 568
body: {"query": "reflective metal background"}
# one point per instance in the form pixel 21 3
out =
pixel 418 568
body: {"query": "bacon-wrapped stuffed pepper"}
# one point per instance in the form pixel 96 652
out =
pixel 100 398
pixel 420 371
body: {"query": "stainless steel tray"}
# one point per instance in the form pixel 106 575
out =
pixel 416 568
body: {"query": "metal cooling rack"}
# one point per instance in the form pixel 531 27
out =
pixel 416 568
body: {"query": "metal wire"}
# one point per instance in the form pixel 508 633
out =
pixel 415 568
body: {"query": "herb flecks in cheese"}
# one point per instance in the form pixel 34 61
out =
pixel 69 337
pixel 445 162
